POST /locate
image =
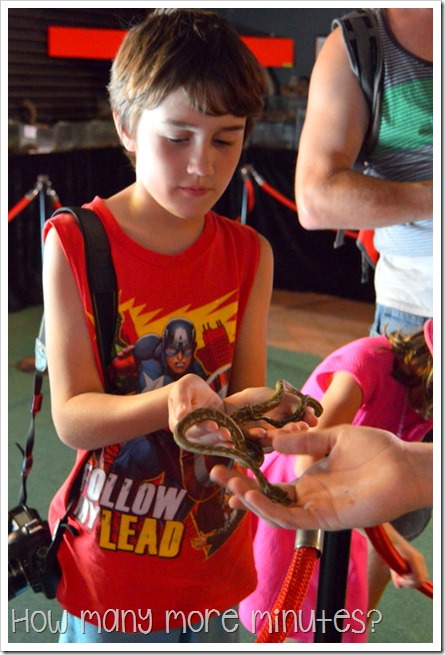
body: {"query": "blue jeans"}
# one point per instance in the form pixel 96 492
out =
pixel 76 631
pixel 387 319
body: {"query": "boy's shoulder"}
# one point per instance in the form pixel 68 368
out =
pixel 232 225
pixel 66 223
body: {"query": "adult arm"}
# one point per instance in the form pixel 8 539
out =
pixel 250 356
pixel 329 193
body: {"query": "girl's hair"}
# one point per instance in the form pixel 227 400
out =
pixel 190 49
pixel 413 367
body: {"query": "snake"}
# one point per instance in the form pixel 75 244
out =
pixel 247 452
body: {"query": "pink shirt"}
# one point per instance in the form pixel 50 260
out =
pixel 385 400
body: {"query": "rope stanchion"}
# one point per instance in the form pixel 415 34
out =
pixel 248 199
pixel 42 188
pixel 332 586
pixel 308 547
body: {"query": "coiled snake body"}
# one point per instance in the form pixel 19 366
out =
pixel 245 451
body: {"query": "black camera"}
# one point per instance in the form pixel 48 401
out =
pixel 29 561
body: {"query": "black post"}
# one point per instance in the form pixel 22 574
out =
pixel 332 583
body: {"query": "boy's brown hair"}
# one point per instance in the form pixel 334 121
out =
pixel 190 49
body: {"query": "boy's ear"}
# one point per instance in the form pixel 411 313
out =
pixel 126 140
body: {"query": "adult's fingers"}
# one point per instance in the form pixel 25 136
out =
pixel 249 496
pixel 308 442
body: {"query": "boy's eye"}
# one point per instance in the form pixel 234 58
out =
pixel 172 139
pixel 218 142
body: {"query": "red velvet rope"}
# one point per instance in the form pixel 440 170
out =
pixel 383 545
pixel 19 207
pixel 278 196
pixel 298 577
pixel 42 183
pixel 286 201
pixel 292 594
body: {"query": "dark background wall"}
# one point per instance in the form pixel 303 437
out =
pixel 75 89
pixel 302 25
pixel 60 89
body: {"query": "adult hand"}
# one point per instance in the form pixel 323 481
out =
pixel 366 476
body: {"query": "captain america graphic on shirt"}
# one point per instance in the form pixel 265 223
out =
pixel 153 465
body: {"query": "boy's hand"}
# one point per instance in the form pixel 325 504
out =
pixel 187 394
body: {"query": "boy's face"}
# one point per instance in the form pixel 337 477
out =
pixel 185 159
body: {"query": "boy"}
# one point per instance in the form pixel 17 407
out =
pixel 158 545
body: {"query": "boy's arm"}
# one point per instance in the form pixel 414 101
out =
pixel 84 416
pixel 250 357
pixel 329 193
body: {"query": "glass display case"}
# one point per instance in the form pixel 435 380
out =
pixel 281 123
pixel 62 136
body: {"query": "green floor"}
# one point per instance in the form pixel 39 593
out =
pixel 406 615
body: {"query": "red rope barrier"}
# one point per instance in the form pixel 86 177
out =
pixel 250 194
pixel 352 234
pixel 292 594
pixel 299 574
pixel 383 545
pixel 278 196
pixel 43 184
pixel 19 207
pixel 249 190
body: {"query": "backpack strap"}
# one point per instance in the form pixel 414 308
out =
pixel 360 30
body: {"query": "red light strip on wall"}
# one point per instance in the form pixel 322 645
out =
pixel 83 43
pixel 271 52
pixel 86 43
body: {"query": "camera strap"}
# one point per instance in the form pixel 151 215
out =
pixel 103 290
pixel 101 279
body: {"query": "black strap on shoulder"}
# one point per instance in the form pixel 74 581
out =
pixel 360 31
pixel 101 278
pixel 103 289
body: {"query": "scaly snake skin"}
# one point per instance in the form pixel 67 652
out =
pixel 243 450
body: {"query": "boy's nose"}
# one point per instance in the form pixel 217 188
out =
pixel 200 163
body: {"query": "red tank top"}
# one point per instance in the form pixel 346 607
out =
pixel 156 536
